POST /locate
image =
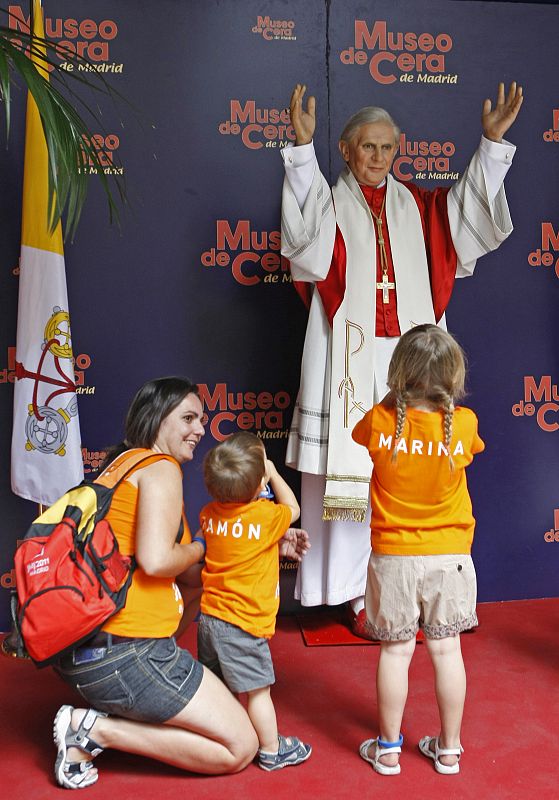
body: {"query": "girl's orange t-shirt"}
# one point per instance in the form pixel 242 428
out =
pixel 419 506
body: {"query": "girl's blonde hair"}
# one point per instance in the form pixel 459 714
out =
pixel 234 469
pixel 427 365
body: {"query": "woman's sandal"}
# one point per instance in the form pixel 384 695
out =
pixel 443 769
pixel 382 748
pixel 75 774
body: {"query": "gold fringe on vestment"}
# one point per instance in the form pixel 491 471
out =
pixel 344 509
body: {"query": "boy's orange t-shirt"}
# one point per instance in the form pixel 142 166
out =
pixel 241 573
pixel 419 506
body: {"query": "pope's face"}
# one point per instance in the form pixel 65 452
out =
pixel 370 153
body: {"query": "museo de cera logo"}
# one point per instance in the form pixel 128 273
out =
pixel 251 256
pixel 87 38
pixel 271 29
pixel 407 57
pixel 258 127
pixel 106 146
pixel 546 254
pixel 424 160
pixel 540 400
pixel 263 413
pixel 552 134
pixel 92 460
pixel 80 362
pixel 552 535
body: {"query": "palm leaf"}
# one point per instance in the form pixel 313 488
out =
pixel 61 105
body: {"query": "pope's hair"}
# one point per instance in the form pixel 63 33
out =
pixel 368 116
pixel 233 469
pixel 428 365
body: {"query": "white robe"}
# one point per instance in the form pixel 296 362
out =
pixel 334 570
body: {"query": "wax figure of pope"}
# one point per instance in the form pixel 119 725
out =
pixel 421 240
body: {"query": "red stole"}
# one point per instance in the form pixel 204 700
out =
pixel 441 258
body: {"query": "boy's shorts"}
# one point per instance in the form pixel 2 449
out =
pixel 436 593
pixel 241 660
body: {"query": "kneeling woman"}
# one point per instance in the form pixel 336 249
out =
pixel 147 695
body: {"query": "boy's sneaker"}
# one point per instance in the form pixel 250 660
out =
pixel 291 752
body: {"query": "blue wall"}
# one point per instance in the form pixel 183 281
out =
pixel 204 175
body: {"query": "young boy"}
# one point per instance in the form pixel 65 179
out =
pixel 244 537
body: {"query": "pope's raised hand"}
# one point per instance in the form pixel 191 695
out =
pixel 496 121
pixel 304 122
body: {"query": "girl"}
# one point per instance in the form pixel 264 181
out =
pixel 420 572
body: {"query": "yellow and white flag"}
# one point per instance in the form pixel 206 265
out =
pixel 46 445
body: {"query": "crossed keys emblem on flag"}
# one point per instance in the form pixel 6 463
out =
pixel 46 428
pixel 346 387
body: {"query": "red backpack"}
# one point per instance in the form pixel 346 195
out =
pixel 70 575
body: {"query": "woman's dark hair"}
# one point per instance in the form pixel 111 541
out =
pixel 152 403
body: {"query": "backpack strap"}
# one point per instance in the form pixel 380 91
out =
pixel 127 463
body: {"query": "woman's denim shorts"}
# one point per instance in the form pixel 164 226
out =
pixel 150 680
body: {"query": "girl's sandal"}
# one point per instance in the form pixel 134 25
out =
pixel 442 769
pixel 382 748
pixel 75 774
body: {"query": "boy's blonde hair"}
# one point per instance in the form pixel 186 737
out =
pixel 233 470
pixel 427 364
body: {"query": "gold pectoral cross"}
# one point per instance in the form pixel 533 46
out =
pixel 385 285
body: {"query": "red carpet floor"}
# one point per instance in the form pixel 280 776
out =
pixel 324 627
pixel 326 696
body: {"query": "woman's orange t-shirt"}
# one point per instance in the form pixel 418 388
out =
pixel 154 606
